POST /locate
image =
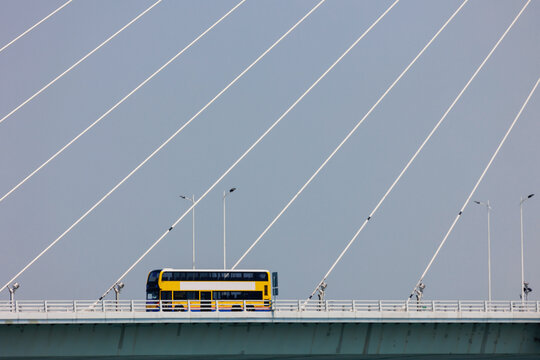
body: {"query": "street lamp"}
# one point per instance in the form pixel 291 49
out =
pixel 117 288
pixel 192 199
pixel 486 204
pixel 225 193
pixel 12 290
pixel 526 290
pixel 523 199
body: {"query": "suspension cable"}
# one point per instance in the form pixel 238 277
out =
pixel 251 147
pixel 458 216
pixel 120 102
pixel 414 156
pixel 134 170
pixel 347 137
pixel 35 25
pixel 79 61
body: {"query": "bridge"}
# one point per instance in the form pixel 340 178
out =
pixel 289 329
pixel 64 208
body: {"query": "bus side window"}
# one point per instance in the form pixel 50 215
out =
pixel 186 295
pixel 180 295
pixel 261 276
pixel 236 276
pixel 248 276
pixel 167 276
pixel 166 295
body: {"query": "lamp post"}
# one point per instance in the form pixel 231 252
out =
pixel 117 288
pixel 488 207
pixel 12 290
pixel 192 199
pixel 523 199
pixel 225 193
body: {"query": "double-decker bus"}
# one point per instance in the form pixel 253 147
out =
pixel 206 290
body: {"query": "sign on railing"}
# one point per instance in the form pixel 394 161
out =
pixel 180 306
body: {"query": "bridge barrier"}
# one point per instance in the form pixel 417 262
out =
pixel 77 306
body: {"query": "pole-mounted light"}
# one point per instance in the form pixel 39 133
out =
pixel 192 199
pixel 12 290
pixel 488 207
pixel 225 193
pixel 117 288
pixel 523 199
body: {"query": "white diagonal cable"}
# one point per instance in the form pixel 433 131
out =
pixel 133 171
pixel 79 61
pixel 251 147
pixel 417 152
pixel 475 187
pixel 36 24
pixel 347 137
pixel 119 102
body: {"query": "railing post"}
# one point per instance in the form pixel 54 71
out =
pixel 132 305
pixel 485 306
pixel 432 305
pixel 188 305
pixel 299 306
pixel 217 305
pixel 160 306
pixel 407 306
pixel 16 306
pixel 244 305
pixel 459 306
pixel 380 305
pixel 45 306
pixel 74 306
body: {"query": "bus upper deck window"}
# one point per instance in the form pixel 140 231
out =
pixel 167 276
pixel 236 276
pixel 261 276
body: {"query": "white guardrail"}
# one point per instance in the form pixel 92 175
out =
pixel 75 306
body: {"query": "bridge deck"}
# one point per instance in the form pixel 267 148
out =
pixel 286 330
pixel 280 311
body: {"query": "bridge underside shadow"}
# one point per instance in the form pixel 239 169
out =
pixel 253 340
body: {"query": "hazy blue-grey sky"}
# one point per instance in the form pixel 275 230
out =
pixel 390 254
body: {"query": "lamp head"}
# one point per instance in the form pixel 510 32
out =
pixel 16 286
pixel 232 189
pixel 530 196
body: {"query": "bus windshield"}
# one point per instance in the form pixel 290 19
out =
pixel 154 275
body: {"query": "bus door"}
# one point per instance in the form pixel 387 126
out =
pixel 206 300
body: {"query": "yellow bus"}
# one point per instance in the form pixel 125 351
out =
pixel 209 290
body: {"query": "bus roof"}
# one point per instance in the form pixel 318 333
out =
pixel 213 270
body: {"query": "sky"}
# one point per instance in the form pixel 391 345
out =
pixel 391 253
